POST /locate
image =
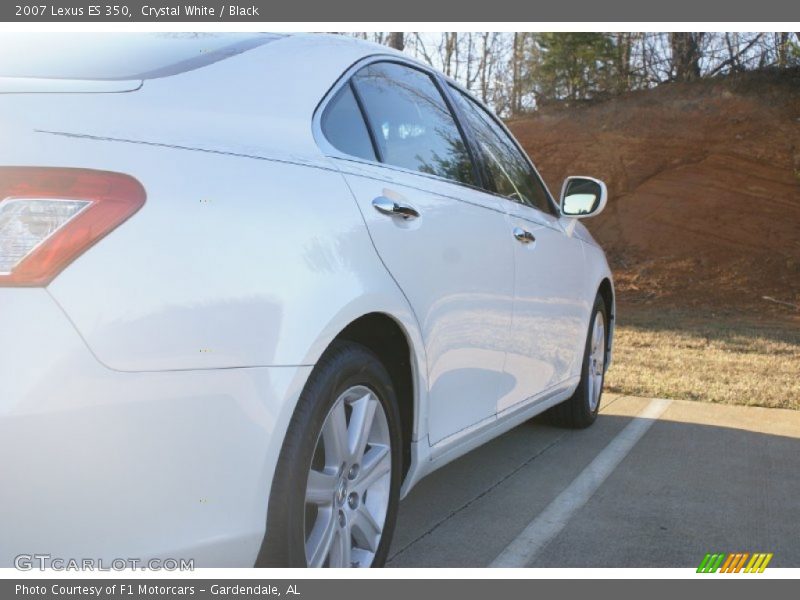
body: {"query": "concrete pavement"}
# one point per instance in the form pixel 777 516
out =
pixel 702 478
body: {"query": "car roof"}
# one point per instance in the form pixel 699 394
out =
pixel 118 56
pixel 137 56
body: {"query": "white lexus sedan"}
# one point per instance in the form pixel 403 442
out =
pixel 253 288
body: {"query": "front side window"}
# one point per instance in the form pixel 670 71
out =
pixel 511 174
pixel 411 123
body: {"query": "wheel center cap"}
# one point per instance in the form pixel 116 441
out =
pixel 341 491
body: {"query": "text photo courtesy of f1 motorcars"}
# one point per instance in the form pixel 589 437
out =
pixel 407 299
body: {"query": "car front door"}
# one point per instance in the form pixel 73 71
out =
pixel 548 323
pixel 444 241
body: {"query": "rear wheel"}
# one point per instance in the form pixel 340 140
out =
pixel 581 409
pixel 336 489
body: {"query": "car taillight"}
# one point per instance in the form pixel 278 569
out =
pixel 50 216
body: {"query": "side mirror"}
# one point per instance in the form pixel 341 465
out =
pixel 583 197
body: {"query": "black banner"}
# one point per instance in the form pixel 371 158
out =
pixel 385 589
pixel 444 11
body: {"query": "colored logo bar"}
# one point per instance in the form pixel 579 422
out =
pixel 735 563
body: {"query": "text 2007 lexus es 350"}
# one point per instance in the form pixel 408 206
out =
pixel 253 288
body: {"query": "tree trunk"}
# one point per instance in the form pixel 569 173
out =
pixel 450 41
pixel 685 55
pixel 782 43
pixel 484 67
pixel 623 62
pixel 397 40
pixel 516 84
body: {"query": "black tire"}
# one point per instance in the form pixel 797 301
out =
pixel 576 411
pixel 344 364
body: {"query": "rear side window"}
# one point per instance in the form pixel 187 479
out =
pixel 511 173
pixel 411 123
pixel 344 126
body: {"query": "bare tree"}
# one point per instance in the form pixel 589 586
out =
pixel 506 69
pixel 421 49
pixel 448 49
pixel 469 79
pixel 486 65
pixel 736 51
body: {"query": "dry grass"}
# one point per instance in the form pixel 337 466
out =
pixel 728 360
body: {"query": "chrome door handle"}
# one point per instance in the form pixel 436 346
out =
pixel 526 237
pixel 394 209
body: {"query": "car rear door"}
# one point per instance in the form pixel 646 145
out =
pixel 548 323
pixel 444 241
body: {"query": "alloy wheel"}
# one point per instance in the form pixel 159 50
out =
pixel 597 354
pixel 349 482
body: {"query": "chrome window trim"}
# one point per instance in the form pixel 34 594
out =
pixel 553 204
pixel 330 151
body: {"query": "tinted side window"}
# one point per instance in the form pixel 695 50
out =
pixel 511 173
pixel 411 122
pixel 343 126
